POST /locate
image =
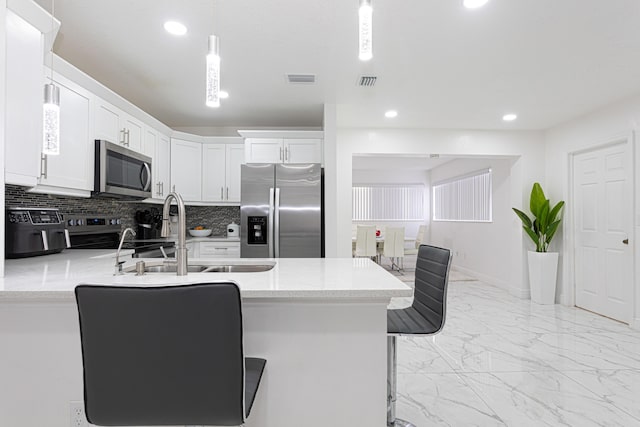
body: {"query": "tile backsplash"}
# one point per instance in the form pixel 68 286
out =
pixel 214 217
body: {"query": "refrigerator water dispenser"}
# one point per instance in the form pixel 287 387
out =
pixel 257 230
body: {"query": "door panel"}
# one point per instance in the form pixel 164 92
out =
pixel 256 182
pixel 300 215
pixel 602 200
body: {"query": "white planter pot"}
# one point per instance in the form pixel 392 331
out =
pixel 543 269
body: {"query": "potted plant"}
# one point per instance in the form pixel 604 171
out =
pixel 543 265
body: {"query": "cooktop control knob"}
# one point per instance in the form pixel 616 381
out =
pixel 71 222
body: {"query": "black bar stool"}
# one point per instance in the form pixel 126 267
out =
pixel 170 355
pixel 425 316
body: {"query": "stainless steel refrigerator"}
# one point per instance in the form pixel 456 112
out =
pixel 281 211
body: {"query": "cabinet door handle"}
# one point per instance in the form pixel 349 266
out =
pixel 126 133
pixel 280 153
pixel 221 193
pixel 162 189
pixel 625 241
pixel 286 153
pixel 122 136
pixel 174 188
pixel 227 193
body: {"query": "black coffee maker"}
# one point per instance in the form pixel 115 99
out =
pixel 149 224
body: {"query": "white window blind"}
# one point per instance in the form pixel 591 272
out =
pixel 388 202
pixel 464 198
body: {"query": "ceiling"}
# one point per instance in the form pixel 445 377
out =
pixel 438 64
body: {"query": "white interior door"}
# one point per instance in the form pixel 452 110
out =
pixel 603 206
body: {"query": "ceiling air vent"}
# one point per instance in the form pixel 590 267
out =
pixel 301 78
pixel 367 81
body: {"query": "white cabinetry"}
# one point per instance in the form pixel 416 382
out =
pixel 24 100
pixel 221 171
pixel 186 169
pixel 161 167
pixel 72 169
pixel 283 146
pixel 114 125
pixel 157 146
pixel 213 250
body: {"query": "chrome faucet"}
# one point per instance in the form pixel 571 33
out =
pixel 118 262
pixel 181 250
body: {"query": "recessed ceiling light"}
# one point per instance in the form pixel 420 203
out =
pixel 391 114
pixel 474 4
pixel 175 28
pixel 509 117
pixel 223 94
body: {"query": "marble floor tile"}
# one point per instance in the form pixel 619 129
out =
pixel 528 364
pixel 621 387
pixel 442 400
pixel 545 399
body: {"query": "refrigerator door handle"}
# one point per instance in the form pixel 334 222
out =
pixel 270 225
pixel 276 231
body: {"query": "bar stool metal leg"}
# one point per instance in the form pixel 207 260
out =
pixel 392 377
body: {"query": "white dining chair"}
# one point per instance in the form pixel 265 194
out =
pixel 366 241
pixel 422 230
pixel 394 246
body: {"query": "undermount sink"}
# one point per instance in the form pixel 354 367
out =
pixel 198 268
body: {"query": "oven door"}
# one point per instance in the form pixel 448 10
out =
pixel 120 172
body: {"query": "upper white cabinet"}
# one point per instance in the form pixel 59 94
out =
pixel 73 167
pixel 114 125
pixel 303 150
pixel 24 99
pixel 264 150
pixel 283 146
pixel 161 172
pixel 221 171
pixel 186 169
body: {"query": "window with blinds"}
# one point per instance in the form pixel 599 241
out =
pixel 464 198
pixel 388 202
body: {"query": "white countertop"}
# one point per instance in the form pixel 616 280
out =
pixel 55 276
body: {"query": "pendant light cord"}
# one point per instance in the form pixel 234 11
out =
pixel 53 5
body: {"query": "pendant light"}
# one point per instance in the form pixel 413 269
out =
pixel 213 72
pixel 365 29
pixel 51 109
pixel 213 69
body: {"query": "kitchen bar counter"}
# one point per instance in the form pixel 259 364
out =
pixel 55 276
pixel 320 323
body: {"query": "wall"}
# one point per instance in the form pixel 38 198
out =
pixel 527 146
pixel 3 20
pixel 479 248
pixel 619 120
pixel 397 176
pixel 215 217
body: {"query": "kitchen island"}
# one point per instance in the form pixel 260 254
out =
pixel 320 323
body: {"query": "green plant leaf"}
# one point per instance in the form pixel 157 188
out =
pixel 543 217
pixel 553 227
pixel 556 209
pixel 533 235
pixel 523 217
pixel 537 199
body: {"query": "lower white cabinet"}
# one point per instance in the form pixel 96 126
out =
pixel 214 250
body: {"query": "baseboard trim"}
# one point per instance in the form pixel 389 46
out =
pixel 482 277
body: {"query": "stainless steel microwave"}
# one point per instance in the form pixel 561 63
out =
pixel 121 172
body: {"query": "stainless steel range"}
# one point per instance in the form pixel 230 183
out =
pixel 96 231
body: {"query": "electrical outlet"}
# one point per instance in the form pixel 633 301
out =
pixel 76 414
